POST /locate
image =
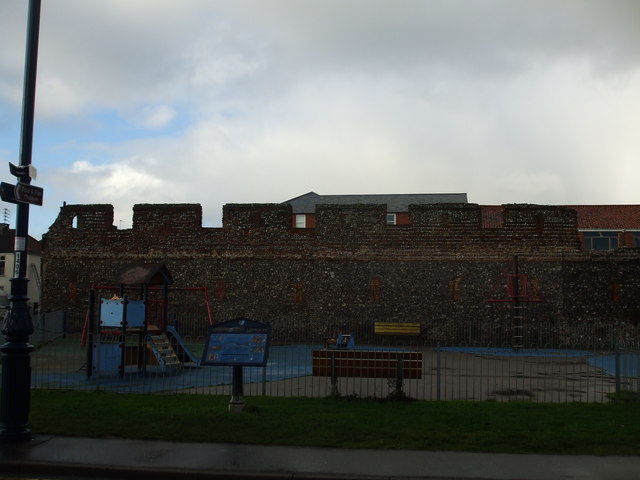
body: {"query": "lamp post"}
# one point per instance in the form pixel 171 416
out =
pixel 17 324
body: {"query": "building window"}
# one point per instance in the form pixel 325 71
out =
pixel 635 239
pixel 301 221
pixel 614 289
pixel 298 291
pixel 2 262
pixel 220 290
pixel 600 241
pixel 391 219
pixel 375 289
pixel 454 289
pixel 539 219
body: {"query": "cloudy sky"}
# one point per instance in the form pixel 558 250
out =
pixel 215 101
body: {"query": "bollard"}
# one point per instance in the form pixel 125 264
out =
pixel 334 376
pixel 438 372
pixel 617 367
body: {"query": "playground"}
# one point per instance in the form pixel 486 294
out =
pixel 456 375
pixel 131 344
pixel 447 373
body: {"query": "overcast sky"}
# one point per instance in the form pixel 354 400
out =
pixel 215 102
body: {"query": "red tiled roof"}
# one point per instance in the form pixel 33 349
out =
pixel 604 217
pixel 607 216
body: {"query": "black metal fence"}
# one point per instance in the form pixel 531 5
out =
pixel 48 326
pixel 458 361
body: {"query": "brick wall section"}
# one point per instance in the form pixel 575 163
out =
pixel 442 266
pixel 166 219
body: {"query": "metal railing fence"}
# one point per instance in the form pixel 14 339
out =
pixel 48 326
pixel 459 361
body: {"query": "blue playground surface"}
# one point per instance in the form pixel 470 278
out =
pixel 284 362
pixel 522 352
pixel 629 364
pixel 289 361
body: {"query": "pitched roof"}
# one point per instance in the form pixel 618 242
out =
pixel 395 202
pixel 7 241
pixel 149 273
pixel 607 216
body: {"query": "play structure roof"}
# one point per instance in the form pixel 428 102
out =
pixel 145 273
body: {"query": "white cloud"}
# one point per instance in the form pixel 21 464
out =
pixel 55 97
pixel 121 179
pixel 157 117
pixel 218 102
pixel 122 184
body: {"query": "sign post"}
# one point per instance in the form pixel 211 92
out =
pixel 17 324
pixel 237 343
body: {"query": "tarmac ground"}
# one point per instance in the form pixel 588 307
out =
pixel 464 376
pixel 110 458
pixel 448 373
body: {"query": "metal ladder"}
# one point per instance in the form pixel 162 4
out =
pixel 36 275
pixel 518 327
pixel 164 352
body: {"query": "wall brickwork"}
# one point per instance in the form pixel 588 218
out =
pixel 352 268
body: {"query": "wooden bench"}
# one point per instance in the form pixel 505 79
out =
pixel 388 328
pixel 367 364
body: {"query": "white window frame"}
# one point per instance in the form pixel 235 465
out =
pixel 392 219
pixel 301 220
pixel 610 237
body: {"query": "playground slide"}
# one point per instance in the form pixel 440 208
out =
pixel 184 354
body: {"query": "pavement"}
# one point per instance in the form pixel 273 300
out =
pixel 69 457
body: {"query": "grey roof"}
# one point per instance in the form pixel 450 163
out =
pixel 396 202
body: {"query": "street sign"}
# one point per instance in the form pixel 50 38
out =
pixel 8 192
pixel 23 171
pixel 26 193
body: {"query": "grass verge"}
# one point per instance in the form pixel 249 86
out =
pixel 516 427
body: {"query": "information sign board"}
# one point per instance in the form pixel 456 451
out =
pixel 240 342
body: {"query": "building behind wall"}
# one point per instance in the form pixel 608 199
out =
pixel 7 260
pixel 442 267
pixel 397 205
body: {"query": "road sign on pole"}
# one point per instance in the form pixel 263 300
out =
pixel 27 193
pixel 8 192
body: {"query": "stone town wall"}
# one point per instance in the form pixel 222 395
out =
pixel 352 268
